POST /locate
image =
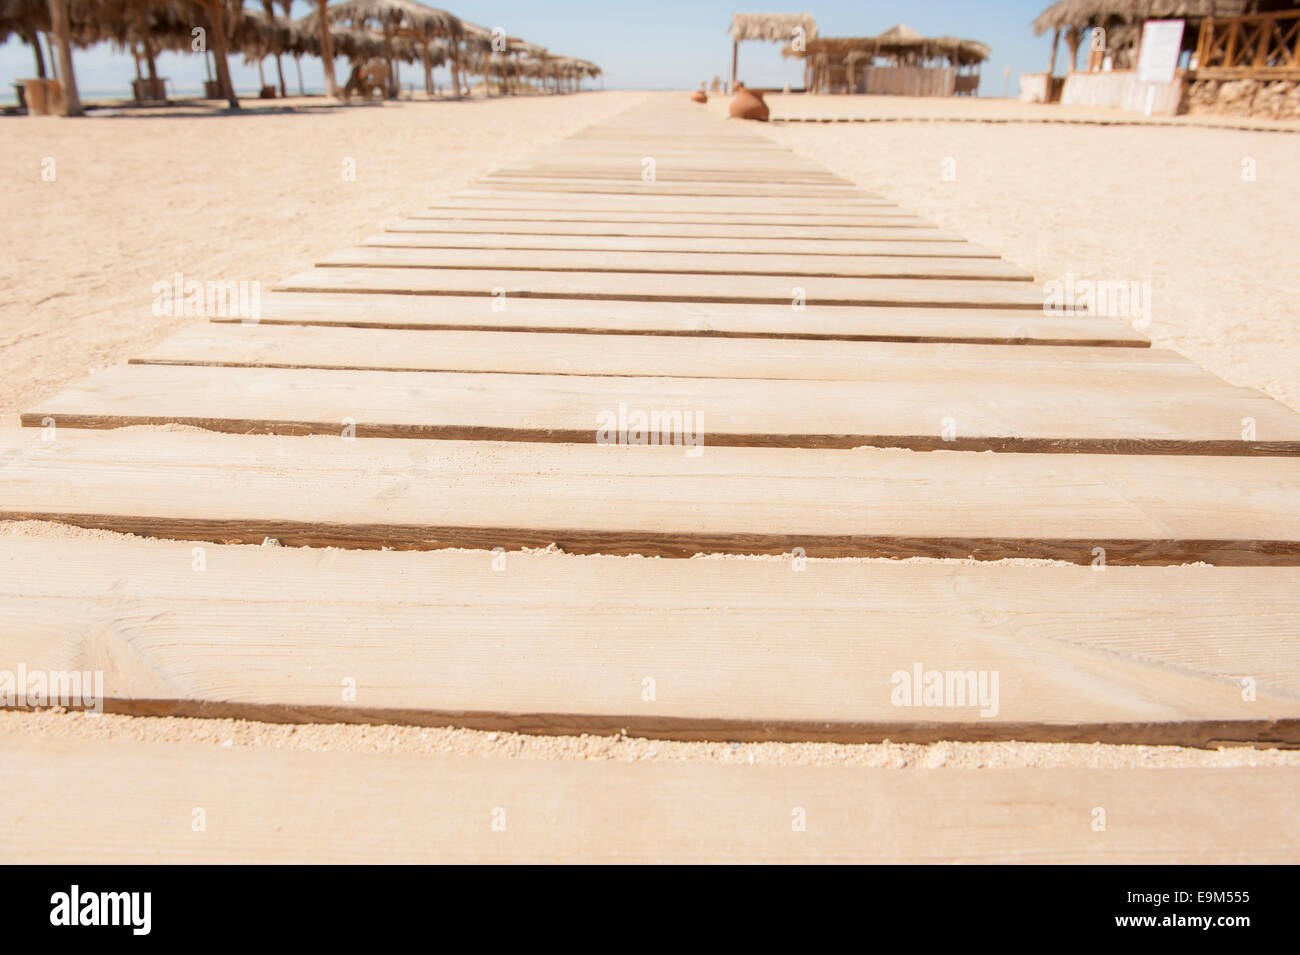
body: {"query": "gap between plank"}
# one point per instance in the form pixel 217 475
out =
pixel 1200 734
pixel 365 536
pixel 698 333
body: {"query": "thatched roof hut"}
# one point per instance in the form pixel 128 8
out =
pixel 900 44
pixel 1122 20
pixel 1085 14
pixel 938 65
pixel 770 28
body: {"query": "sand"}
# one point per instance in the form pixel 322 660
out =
pixel 141 195
pixel 1162 203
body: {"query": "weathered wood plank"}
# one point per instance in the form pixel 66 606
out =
pixel 1048 405
pixel 539 223
pixel 595 170
pixel 842 211
pixel 763 250
pixel 714 320
pixel 974 366
pixel 1133 655
pixel 487 209
pixel 266 805
pixel 707 193
pixel 617 499
pixel 919 267
pixel 789 290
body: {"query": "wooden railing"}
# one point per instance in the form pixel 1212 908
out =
pixel 1262 46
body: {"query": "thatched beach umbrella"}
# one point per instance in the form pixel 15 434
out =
pixel 258 35
pixel 317 36
pixel 589 70
pixel 519 49
pixel 222 16
pixel 565 69
pixel 769 27
pixel 489 64
pixel 549 72
pixel 282 34
pixel 26 19
pixel 145 28
pixel 405 18
pixel 473 42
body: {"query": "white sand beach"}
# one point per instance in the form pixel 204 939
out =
pixel 139 196
pixel 1050 190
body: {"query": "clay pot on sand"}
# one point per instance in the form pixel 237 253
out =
pixel 699 96
pixel 748 104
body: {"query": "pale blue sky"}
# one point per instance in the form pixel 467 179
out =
pixel 662 44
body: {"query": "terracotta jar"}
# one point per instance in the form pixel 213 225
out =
pixel 748 104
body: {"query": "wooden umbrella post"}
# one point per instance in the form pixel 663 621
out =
pixel 215 10
pixel 62 35
pixel 35 44
pixel 327 50
pixel 388 58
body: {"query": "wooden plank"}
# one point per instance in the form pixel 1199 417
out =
pixel 919 267
pixel 265 805
pixel 891 230
pixel 737 649
pixel 817 322
pixel 803 181
pixel 306 346
pixel 583 163
pixel 628 160
pixel 516 212
pixel 762 249
pixel 1049 405
pixel 788 290
pixel 621 170
pixel 707 192
pixel 843 211
pixel 652 500
pixel 716 152
pixel 1132 655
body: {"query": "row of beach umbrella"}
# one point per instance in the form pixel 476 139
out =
pixel 362 31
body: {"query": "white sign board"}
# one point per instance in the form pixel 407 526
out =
pixel 1162 41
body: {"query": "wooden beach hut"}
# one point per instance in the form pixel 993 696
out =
pixel 1251 44
pixel 898 62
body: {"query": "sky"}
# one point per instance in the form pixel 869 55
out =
pixel 661 44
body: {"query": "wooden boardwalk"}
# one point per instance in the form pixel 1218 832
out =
pixel 267 805
pixel 862 384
